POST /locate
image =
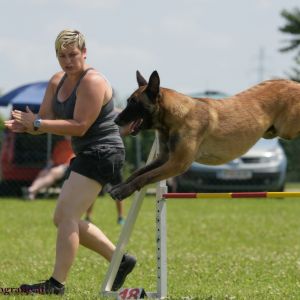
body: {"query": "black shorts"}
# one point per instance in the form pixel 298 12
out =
pixel 103 165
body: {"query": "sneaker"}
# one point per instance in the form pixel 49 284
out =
pixel 121 221
pixel 127 264
pixel 44 287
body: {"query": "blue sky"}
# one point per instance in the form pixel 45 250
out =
pixel 194 44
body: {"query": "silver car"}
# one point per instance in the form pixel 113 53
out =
pixel 262 168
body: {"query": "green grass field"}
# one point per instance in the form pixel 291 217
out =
pixel 217 249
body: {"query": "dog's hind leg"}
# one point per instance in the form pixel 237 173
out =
pixel 288 124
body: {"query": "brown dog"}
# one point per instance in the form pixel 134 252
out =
pixel 206 130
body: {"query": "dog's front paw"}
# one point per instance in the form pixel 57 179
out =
pixel 114 187
pixel 121 191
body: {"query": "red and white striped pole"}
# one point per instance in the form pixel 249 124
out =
pixel 233 195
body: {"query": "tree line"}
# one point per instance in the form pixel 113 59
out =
pixel 291 29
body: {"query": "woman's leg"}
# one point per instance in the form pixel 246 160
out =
pixel 93 238
pixel 78 193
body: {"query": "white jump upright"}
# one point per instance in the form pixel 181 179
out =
pixel 126 233
pixel 161 239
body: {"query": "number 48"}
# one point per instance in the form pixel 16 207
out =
pixel 131 293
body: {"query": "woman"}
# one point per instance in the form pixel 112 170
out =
pixel 78 103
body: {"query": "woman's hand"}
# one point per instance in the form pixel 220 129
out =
pixel 25 119
pixel 14 126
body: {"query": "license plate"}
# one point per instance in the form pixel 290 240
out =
pixel 234 174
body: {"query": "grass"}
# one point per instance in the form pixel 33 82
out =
pixel 217 249
pixel 295 186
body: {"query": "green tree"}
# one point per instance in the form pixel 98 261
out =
pixel 292 28
pixel 295 71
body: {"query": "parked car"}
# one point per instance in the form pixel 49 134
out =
pixel 262 168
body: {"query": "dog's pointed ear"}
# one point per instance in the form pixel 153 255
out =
pixel 153 85
pixel 140 79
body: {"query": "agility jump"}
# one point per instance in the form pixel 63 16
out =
pixel 161 233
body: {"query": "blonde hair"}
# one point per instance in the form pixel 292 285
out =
pixel 69 37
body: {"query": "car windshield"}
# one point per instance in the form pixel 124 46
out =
pixel 265 144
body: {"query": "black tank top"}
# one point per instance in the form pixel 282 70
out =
pixel 103 132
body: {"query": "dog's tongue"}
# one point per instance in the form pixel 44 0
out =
pixel 134 128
